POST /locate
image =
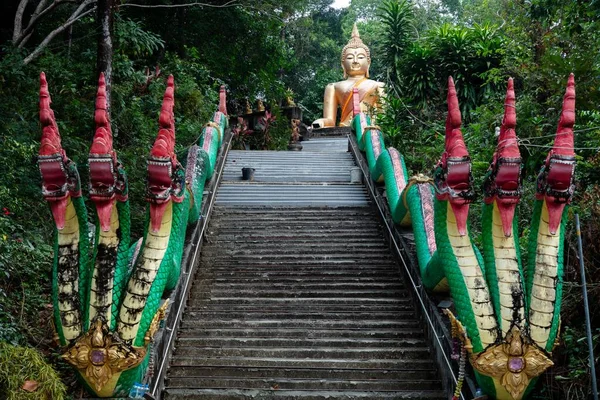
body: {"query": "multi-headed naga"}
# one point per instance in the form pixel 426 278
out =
pixel 508 319
pixel 107 292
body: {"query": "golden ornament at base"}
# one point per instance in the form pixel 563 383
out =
pixel 100 355
pixel 513 363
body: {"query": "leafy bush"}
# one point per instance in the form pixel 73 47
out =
pixel 25 375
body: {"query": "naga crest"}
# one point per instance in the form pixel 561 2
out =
pixel 556 181
pixel 59 180
pixel 453 181
pixel 503 182
pixel 165 182
pixel 107 179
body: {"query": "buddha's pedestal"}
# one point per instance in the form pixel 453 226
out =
pixel 331 131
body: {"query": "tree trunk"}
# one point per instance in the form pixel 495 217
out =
pixel 105 45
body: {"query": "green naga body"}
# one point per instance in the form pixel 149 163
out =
pixel 107 304
pixel 508 320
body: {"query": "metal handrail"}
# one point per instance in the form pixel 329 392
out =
pixel 191 269
pixel 369 184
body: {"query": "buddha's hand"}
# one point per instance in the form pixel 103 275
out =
pixel 321 123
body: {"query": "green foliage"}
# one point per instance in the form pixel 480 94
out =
pixel 396 19
pixel 574 373
pixel 315 42
pixel 24 282
pixel 471 55
pixel 422 81
pixel 280 131
pixel 420 142
pixel 131 38
pixel 21 364
pixel 272 131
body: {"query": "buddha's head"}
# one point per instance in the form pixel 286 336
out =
pixel 356 57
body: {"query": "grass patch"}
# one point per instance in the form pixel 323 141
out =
pixel 22 364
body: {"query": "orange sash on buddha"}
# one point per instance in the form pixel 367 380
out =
pixel 347 108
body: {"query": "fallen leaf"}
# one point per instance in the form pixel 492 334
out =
pixel 30 386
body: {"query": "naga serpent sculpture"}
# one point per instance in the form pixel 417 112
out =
pixel 508 319
pixel 107 302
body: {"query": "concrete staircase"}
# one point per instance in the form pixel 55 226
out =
pixel 297 295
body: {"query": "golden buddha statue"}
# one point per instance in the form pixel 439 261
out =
pixel 356 60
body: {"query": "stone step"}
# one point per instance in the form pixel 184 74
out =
pixel 215 293
pixel 305 286
pixel 288 362
pixel 259 268
pixel 237 394
pixel 413 372
pixel 365 213
pixel 301 333
pixel 315 352
pixel 270 301
pixel 294 247
pixel 298 323
pixel 298 315
pixel 289 342
pixel 285 278
pixel 295 274
pixel 302 257
pixel 326 383
pixel 308 307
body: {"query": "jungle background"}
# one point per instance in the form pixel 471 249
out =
pixel 267 50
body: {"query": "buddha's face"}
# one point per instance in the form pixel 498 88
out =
pixel 356 62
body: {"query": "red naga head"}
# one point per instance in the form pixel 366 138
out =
pixel 162 163
pixel 104 183
pixel 223 100
pixel 556 181
pixel 58 180
pixel 455 181
pixel 50 141
pixel 164 145
pixel 504 182
pixel 355 102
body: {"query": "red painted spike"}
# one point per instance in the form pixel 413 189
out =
pixel 507 141
pixel 50 141
pixel 164 146
pixel 461 213
pixel 455 144
pixel 156 215
pixel 564 141
pixel 103 143
pixel 355 102
pixel 104 211
pixel 58 208
pixel 223 100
